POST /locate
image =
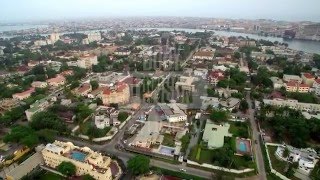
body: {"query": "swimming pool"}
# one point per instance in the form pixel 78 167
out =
pixel 242 146
pixel 166 150
pixel 77 155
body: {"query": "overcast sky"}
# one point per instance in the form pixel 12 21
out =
pixel 291 10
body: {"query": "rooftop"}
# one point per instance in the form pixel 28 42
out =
pixel 214 134
pixel 308 75
pixel 118 87
pixel 204 53
pixel 56 79
pixel 171 109
pixel 29 91
pixel 85 155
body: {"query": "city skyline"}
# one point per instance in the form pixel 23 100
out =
pixel 36 10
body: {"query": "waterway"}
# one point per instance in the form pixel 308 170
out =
pixel 299 45
pixel 20 27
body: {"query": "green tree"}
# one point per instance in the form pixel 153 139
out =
pixel 122 116
pixel 48 120
pixel 316 59
pixel 74 84
pixel 67 168
pixel 94 84
pixel 22 134
pixel 286 152
pixel 47 135
pixel 139 164
pixel 82 112
pixel 87 177
pixel 185 140
pixel 50 73
pixel 219 116
pixel 237 55
pixel 212 93
pixel 269 51
pixel 244 106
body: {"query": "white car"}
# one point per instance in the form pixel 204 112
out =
pixel 183 170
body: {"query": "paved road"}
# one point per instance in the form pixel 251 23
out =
pixel 191 54
pixel 110 149
pixel 255 135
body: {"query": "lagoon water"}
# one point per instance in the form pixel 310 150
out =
pixel 300 45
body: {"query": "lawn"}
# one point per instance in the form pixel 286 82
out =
pixel 239 129
pixel 315 173
pixel 201 154
pixel 175 173
pixel 168 140
pixel 276 164
pixel 206 156
pixel 193 152
pixel 84 127
pixel 51 176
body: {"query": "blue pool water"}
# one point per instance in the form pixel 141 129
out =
pixel 79 156
pixel 242 147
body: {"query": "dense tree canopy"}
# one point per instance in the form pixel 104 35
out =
pixel 244 106
pixel 87 177
pixel 316 59
pixel 67 168
pixel 262 77
pixel 139 164
pixel 94 84
pixel 291 126
pixel 47 120
pixel 122 116
pixel 22 134
pixel 219 116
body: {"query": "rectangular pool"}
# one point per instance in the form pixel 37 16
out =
pixel 166 150
pixel 243 146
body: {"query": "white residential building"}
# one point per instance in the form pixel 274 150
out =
pixel 172 112
pixel 316 87
pixel 201 72
pixel 39 84
pixel 214 134
pixel 186 83
pixel 86 61
pixel 209 101
pixel 277 82
pixel 40 42
pixel 288 78
pixel 94 36
pixel 293 104
pixel 221 68
pixel 307 158
pixel 149 135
